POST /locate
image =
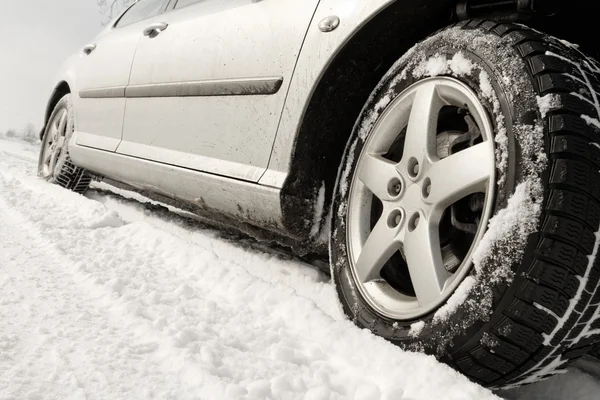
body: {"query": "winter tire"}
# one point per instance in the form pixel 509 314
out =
pixel 467 210
pixel 54 164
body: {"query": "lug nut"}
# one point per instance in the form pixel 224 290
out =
pixel 394 187
pixel 394 219
pixel 414 222
pixel 413 167
pixel 427 188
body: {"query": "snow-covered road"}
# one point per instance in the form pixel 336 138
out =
pixel 108 296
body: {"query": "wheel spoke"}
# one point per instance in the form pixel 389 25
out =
pixel 380 246
pixel 376 173
pixel 424 258
pixel 422 123
pixel 62 124
pixel 60 143
pixel 460 175
pixel 53 160
pixel 47 155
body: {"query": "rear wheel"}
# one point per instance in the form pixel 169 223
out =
pixel 54 164
pixel 467 209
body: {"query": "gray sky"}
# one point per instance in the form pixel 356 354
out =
pixel 36 36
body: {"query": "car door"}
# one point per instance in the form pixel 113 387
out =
pixel 103 73
pixel 207 89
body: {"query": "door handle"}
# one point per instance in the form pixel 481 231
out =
pixel 155 29
pixel 87 50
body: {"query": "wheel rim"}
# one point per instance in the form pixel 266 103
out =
pixel 54 143
pixel 399 206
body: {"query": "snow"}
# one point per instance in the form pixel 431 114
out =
pixel 437 65
pixel 318 214
pixel 548 103
pixel 518 218
pixel 416 328
pixel 581 382
pixel 458 297
pixel 107 297
pixel 591 121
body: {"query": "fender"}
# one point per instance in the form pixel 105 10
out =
pixel 65 84
pixel 334 76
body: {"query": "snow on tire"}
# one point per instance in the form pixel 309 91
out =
pixel 54 164
pixel 530 300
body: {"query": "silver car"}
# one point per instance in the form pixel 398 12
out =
pixel 453 180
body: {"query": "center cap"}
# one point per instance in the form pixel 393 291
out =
pixel 412 200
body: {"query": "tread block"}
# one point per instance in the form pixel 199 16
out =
pixel 570 231
pixel 568 103
pixel 533 47
pixel 531 316
pixel 555 277
pixel 504 29
pixel 563 254
pixel 507 351
pixel 574 204
pixel 542 63
pixel 566 123
pixel 469 367
pixel 556 83
pixel 489 360
pixel 522 35
pixel 576 146
pixel 488 25
pixel 474 23
pixel 576 174
pixel 522 336
pixel 544 296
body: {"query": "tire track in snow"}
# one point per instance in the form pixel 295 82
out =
pixel 133 295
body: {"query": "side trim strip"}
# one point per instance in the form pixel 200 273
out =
pixel 103 93
pixel 224 87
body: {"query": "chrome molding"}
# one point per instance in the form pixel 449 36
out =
pixel 102 93
pixel 224 87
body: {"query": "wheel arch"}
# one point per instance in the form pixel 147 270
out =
pixel 338 98
pixel 58 93
pixel 339 95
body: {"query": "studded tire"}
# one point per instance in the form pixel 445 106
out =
pixel 64 173
pixel 534 303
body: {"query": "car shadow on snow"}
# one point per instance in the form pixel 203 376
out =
pixel 581 382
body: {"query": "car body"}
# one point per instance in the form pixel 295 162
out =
pixel 239 108
pixel 221 134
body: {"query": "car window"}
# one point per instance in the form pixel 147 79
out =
pixel 183 3
pixel 141 10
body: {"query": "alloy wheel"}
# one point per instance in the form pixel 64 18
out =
pixel 54 143
pixel 421 198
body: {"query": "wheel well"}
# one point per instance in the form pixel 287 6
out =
pixel 344 88
pixel 340 96
pixel 59 92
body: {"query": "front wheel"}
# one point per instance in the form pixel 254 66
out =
pixel 467 209
pixel 54 164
